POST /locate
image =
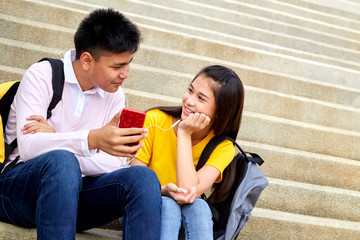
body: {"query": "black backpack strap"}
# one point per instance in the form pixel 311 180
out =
pixel 247 156
pixel 209 148
pixel 58 78
pixel 254 157
pixel 212 144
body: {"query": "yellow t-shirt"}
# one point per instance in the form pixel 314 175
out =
pixel 160 149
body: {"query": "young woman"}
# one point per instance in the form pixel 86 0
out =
pixel 212 105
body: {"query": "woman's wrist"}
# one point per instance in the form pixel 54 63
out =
pixel 164 191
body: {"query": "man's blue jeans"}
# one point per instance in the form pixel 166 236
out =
pixel 49 193
pixel 195 219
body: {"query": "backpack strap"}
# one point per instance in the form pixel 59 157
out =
pixel 209 148
pixel 212 144
pixel 58 79
pixel 57 82
pixel 247 156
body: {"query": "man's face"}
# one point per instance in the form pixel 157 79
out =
pixel 109 72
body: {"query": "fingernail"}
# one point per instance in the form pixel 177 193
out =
pixel 146 130
pixel 145 135
pixel 194 190
pixel 184 191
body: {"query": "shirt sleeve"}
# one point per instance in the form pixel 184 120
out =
pixel 33 98
pixel 221 157
pixel 146 150
pixel 100 163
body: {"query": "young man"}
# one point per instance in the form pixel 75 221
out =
pixel 69 176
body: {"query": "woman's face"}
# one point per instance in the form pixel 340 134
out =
pixel 199 98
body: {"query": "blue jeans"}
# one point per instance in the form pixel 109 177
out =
pixel 195 218
pixel 49 193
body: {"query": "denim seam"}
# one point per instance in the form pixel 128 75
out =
pixel 185 223
pixel 16 212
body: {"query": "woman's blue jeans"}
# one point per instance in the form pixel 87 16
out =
pixel 49 193
pixel 195 218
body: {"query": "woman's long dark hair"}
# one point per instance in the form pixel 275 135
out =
pixel 229 101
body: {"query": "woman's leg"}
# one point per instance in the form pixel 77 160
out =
pixel 170 219
pixel 133 193
pixel 197 220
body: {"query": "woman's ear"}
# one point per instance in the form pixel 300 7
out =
pixel 86 61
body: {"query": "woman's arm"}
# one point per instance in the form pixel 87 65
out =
pixel 187 176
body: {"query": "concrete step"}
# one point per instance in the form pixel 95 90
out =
pixel 47 36
pixel 190 62
pixel 311 168
pixel 339 8
pixel 11 232
pixel 311 200
pixel 263 224
pixel 349 57
pixel 330 24
pixel 270 224
pixel 273 225
pixel 206 21
pixel 347 19
pixel 321 53
pixel 265 129
pixel 257 20
pixel 8 74
pixel 35 32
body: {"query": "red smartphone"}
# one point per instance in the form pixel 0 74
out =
pixel 131 118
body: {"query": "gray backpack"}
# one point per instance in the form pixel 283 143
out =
pixel 234 209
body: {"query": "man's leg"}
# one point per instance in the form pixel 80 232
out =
pixel 43 193
pixel 133 193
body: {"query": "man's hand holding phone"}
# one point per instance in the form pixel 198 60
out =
pixel 120 139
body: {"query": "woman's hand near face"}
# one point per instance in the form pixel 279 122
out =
pixel 194 122
pixel 39 125
pixel 180 195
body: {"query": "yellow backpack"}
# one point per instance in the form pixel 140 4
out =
pixel 7 94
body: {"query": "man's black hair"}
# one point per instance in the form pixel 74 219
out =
pixel 104 32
